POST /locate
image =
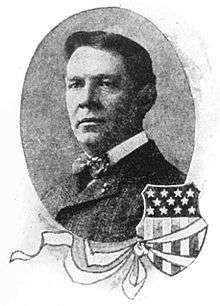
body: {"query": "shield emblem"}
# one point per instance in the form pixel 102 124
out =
pixel 172 211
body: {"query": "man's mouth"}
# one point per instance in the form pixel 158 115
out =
pixel 91 121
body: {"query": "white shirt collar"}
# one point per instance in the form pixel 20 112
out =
pixel 126 147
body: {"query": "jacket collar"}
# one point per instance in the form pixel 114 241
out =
pixel 142 162
pixel 126 147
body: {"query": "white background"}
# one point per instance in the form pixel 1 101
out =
pixel 194 27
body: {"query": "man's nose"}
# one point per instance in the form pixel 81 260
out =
pixel 89 96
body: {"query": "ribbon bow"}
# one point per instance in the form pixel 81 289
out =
pixel 86 266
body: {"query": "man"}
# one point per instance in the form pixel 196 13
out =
pixel 110 85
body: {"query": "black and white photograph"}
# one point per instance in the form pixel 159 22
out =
pixel 97 105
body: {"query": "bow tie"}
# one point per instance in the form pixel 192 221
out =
pixel 96 166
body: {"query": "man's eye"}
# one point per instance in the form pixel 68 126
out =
pixel 76 84
pixel 106 83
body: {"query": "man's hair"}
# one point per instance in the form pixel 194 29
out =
pixel 136 59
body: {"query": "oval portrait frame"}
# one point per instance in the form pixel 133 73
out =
pixel 48 141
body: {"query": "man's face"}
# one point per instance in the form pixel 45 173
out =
pixel 99 97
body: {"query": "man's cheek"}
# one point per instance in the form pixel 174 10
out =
pixel 121 108
pixel 112 103
pixel 71 105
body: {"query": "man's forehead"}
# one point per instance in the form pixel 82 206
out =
pixel 91 61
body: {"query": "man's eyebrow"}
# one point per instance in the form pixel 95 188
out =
pixel 108 76
pixel 73 78
pixel 98 76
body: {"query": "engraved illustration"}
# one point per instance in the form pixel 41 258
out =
pixel 107 126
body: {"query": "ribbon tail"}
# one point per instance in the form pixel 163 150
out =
pixel 135 279
pixel 20 255
pixel 61 238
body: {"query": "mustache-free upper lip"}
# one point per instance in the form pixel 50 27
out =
pixel 91 119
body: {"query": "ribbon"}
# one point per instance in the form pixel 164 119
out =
pixel 86 266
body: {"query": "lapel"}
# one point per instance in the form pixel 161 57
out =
pixel 98 189
pixel 139 165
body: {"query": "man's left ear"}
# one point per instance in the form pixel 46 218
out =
pixel 146 96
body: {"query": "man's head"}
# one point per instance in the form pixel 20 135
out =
pixel 110 86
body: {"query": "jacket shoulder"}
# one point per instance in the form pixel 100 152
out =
pixel 170 175
pixel 149 164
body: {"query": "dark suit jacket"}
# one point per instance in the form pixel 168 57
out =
pixel 109 209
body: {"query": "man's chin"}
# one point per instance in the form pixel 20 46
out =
pixel 89 138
